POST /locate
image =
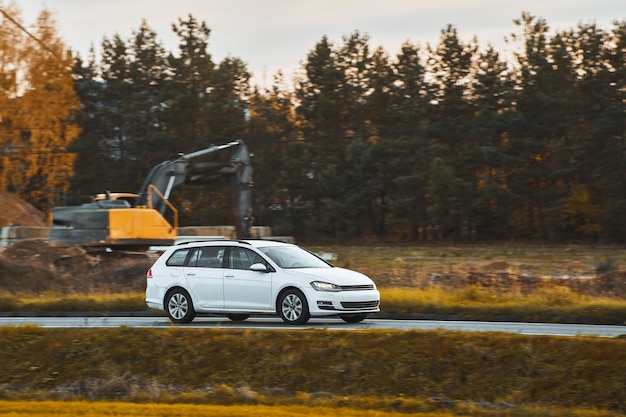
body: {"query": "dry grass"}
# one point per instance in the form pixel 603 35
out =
pixel 413 372
pixel 547 259
pixel 547 304
pixel 550 304
pixel 57 302
pixel 418 266
pixel 316 372
pixel 576 284
pixel 126 409
pixel 115 409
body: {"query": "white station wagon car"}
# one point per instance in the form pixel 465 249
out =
pixel 238 278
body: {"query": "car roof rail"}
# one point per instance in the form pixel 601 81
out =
pixel 262 239
pixel 185 242
pixel 222 239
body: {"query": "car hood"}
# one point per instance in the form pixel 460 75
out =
pixel 335 275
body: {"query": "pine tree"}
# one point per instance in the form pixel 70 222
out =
pixel 489 160
pixel 192 81
pixel 278 161
pixel 450 115
pixel 408 162
pixel 124 97
pixel 320 92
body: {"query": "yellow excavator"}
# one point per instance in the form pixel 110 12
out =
pixel 136 221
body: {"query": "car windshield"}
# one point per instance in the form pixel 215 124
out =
pixel 293 257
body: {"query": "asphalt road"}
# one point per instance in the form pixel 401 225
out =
pixel 264 323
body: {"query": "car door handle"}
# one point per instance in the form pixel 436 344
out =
pixel 229 275
pixel 191 274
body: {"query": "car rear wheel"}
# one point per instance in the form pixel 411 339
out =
pixel 353 318
pixel 238 317
pixel 293 307
pixel 179 306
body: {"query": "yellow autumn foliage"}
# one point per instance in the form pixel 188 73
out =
pixel 37 107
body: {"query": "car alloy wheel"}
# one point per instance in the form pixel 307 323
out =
pixel 293 307
pixel 179 306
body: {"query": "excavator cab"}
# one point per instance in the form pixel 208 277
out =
pixel 131 198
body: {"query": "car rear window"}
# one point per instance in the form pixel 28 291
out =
pixel 177 258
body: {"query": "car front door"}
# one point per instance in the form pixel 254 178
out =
pixel 245 289
pixel 205 276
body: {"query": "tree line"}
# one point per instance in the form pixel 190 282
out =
pixel 440 142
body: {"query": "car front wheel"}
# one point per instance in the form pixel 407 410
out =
pixel 179 306
pixel 293 307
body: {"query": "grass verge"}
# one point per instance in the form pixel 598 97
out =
pixel 549 305
pixel 58 302
pixel 417 371
pixel 125 409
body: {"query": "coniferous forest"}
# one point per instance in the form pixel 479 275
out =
pixel 445 142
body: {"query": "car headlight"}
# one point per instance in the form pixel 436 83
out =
pixel 325 286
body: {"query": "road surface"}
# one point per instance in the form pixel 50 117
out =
pixel 264 323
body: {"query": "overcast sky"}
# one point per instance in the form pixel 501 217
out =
pixel 272 35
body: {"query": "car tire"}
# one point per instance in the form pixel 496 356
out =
pixel 293 307
pixel 179 306
pixel 353 318
pixel 238 317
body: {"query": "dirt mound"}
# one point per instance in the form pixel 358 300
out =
pixel 37 253
pixel 18 212
pixel 497 266
pixel 35 266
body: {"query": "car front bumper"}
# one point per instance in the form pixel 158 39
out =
pixel 323 303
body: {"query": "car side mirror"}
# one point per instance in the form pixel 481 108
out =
pixel 258 267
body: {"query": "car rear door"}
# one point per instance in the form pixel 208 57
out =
pixel 245 289
pixel 205 276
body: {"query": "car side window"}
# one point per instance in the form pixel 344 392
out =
pixel 242 258
pixel 178 258
pixel 207 257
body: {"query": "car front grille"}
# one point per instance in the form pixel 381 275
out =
pixel 360 305
pixel 357 287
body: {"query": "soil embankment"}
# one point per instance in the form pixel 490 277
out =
pixel 17 212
